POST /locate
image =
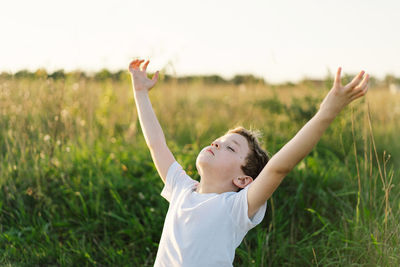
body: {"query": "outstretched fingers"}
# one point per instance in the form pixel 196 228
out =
pixel 132 64
pixel 337 77
pixel 356 80
pixel 362 88
pixel 155 76
pixel 359 94
pixel 139 63
pixel 145 65
pixel 135 64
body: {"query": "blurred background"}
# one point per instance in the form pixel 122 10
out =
pixel 77 182
pixel 278 41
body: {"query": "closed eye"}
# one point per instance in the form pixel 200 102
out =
pixel 231 148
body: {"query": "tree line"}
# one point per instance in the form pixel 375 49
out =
pixel 238 79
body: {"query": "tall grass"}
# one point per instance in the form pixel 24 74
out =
pixel 78 186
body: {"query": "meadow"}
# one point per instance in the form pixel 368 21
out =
pixel 78 186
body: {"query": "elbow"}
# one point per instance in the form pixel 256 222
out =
pixel 282 171
pixel 278 168
pixel 278 171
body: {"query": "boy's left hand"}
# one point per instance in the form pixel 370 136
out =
pixel 340 96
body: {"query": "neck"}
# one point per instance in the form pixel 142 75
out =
pixel 207 188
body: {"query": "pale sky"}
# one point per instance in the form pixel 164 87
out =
pixel 277 40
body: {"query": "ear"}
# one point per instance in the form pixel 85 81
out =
pixel 242 181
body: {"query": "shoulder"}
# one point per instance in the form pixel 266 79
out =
pixel 240 212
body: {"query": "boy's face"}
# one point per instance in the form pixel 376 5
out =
pixel 224 157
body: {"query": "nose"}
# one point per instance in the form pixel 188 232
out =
pixel 216 145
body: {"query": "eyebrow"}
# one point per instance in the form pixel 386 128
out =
pixel 236 143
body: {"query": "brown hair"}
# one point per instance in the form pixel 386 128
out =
pixel 257 158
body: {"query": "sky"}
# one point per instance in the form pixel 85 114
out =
pixel 277 40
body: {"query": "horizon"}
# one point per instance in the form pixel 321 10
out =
pixel 390 79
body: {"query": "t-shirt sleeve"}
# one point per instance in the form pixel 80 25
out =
pixel 239 211
pixel 176 181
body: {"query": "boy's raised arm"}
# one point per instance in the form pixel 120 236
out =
pixel 151 128
pixel 303 142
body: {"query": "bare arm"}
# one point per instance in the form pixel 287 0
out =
pixel 152 131
pixel 304 141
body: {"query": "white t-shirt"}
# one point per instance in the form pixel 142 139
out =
pixel 202 229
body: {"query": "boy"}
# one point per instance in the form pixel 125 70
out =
pixel 207 220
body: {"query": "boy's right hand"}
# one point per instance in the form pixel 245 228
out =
pixel 139 77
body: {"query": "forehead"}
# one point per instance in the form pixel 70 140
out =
pixel 234 138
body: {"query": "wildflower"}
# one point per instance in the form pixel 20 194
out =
pixel 64 113
pixel 124 168
pixel 29 191
pixel 75 86
pixel 56 162
pixel 46 138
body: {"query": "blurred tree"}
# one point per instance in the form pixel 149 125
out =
pixel 214 79
pixel 76 75
pixel 5 75
pixel 41 73
pixel 102 75
pixel 120 75
pixel 287 84
pixel 246 79
pixel 24 74
pixel 166 77
pixel 57 75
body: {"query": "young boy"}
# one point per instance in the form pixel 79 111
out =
pixel 207 220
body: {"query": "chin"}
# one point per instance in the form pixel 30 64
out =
pixel 203 161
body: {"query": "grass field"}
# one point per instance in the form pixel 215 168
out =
pixel 78 186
